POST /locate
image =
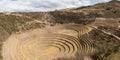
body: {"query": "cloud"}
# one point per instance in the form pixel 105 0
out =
pixel 42 5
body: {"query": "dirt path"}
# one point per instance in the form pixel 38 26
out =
pixel 108 33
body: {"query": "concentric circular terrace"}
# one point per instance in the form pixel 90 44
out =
pixel 48 43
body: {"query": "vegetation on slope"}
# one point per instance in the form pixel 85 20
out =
pixel 105 44
pixel 10 24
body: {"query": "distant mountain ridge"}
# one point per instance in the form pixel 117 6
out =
pixel 104 18
pixel 102 10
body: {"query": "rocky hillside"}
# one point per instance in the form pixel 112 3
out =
pixel 77 15
pixel 102 18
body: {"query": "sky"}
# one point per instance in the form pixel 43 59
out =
pixel 43 5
